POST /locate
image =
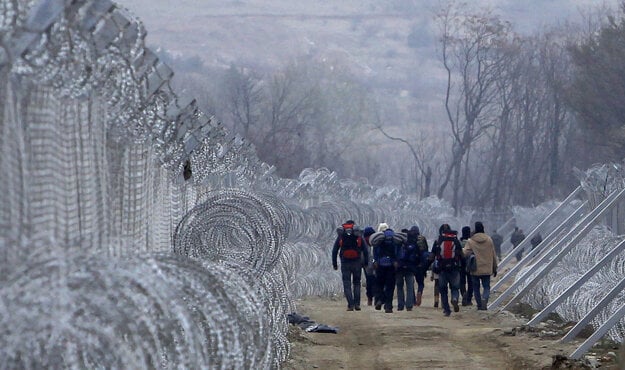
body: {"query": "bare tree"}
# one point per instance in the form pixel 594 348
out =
pixel 423 172
pixel 243 98
pixel 598 89
pixel 556 71
pixel 472 50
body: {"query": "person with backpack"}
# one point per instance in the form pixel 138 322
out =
pixel 385 244
pixel 368 267
pixel 497 241
pixel 466 286
pixel 351 248
pixel 407 260
pixel 414 237
pixel 448 257
pixel 483 248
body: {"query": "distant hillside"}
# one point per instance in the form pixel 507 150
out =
pixel 372 39
pixel 385 40
pixel 391 45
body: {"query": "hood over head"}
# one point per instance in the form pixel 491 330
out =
pixel 444 228
pixel 466 232
pixel 479 227
pixel 479 237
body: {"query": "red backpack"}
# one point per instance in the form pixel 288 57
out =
pixel 350 244
pixel 448 247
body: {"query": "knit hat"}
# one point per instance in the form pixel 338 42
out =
pixel 382 227
pixel 368 231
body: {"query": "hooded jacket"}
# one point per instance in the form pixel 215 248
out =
pixel 482 246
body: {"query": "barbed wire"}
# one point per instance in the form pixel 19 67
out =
pixel 112 257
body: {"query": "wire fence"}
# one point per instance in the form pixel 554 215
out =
pixel 135 230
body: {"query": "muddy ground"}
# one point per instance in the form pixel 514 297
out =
pixel 425 339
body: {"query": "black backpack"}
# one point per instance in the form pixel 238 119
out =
pixel 471 263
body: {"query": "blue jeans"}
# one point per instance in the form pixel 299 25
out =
pixel 351 273
pixel 409 300
pixel 449 278
pixel 480 297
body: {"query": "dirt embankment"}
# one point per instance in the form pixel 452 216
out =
pixel 420 339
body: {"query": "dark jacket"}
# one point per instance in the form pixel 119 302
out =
pixel 364 253
pixel 414 237
pixel 497 240
pixel 517 237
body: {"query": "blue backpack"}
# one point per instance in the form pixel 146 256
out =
pixel 408 255
pixel 388 249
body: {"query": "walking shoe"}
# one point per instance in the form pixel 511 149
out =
pixel 447 313
pixel 408 308
pixel 435 304
pixel 369 301
pixel 388 310
pixel 350 308
pixel 454 303
pixel 357 308
pixel 378 306
pixel 418 299
pixel 400 308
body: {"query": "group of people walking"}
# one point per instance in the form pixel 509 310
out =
pixel 394 261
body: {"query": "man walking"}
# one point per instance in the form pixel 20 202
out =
pixel 516 238
pixel 352 249
pixel 385 249
pixel 447 252
pixel 497 241
pixel 481 245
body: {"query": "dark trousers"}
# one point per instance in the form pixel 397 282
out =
pixel 451 279
pixel 371 284
pixel 420 278
pixel 351 274
pixel 385 278
pixel 519 255
pixel 466 287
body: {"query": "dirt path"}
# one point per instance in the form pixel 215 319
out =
pixel 422 338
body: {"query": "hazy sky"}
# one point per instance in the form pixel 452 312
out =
pixel 189 26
